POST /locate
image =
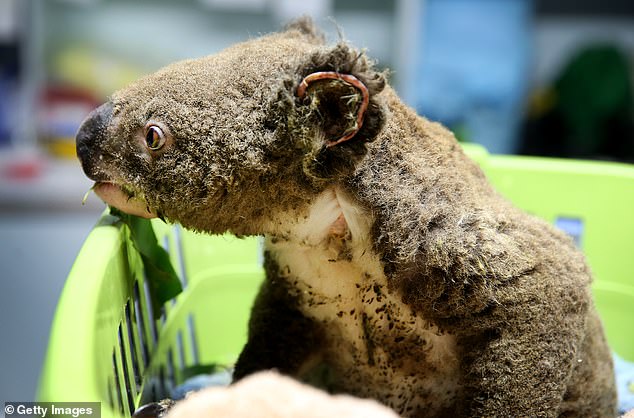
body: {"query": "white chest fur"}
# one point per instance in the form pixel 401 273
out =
pixel 377 346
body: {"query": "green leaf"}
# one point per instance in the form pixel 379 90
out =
pixel 162 279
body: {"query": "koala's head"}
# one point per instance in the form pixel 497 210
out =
pixel 219 143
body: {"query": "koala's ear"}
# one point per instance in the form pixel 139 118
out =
pixel 338 94
pixel 341 100
pixel 338 109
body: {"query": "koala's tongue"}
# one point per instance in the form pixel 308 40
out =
pixel 114 196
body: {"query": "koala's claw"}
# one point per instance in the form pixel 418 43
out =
pixel 154 409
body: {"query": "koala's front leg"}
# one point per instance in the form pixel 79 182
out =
pixel 280 336
pixel 522 369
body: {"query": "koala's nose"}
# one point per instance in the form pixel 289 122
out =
pixel 91 133
pixel 93 128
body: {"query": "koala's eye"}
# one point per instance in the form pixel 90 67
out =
pixel 154 137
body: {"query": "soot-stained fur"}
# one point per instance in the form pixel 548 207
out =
pixel 464 277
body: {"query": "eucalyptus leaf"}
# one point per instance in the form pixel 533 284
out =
pixel 162 279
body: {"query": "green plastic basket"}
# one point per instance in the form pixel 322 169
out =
pixel 105 346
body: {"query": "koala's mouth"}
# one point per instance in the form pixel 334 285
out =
pixel 124 199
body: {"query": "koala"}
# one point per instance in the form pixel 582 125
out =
pixel 394 270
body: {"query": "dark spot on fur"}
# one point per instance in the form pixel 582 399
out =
pixel 367 334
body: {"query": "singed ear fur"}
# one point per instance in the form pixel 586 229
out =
pixel 337 100
pixel 329 108
pixel 306 27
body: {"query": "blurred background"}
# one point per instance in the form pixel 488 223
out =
pixel 540 77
